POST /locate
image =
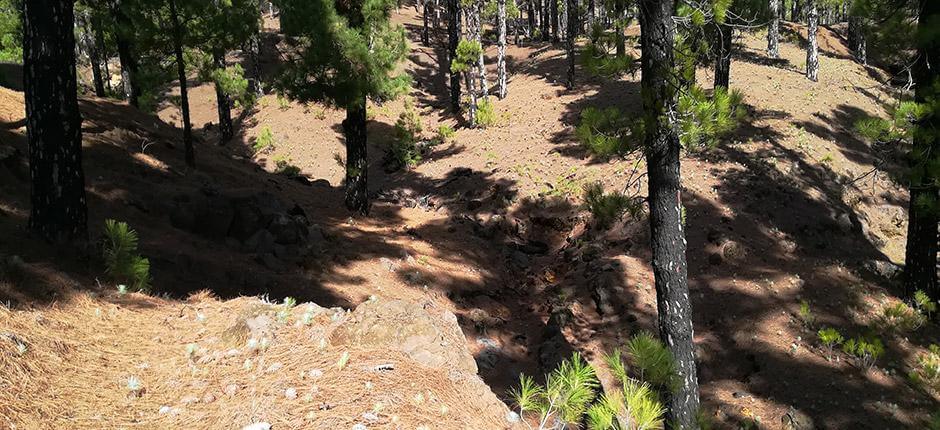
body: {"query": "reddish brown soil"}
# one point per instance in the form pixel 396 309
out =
pixel 762 214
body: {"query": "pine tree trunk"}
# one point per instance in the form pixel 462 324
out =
pixel 618 28
pixel 53 123
pixel 184 93
pixel 592 14
pixel 425 35
pixel 773 30
pixel 125 47
pixel 530 15
pixel 920 261
pixel 453 39
pixel 545 19
pixel 569 40
pixel 553 5
pixel 723 56
pixel 795 11
pixel 812 49
pixel 501 56
pixel 857 39
pixel 94 57
pixel 666 219
pixel 254 65
pixel 477 33
pixel 357 166
pixel 472 114
pixel 102 53
pixel 223 101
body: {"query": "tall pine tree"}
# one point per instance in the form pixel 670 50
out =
pixel 53 122
pixel 346 52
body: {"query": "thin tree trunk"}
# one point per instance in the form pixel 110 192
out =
pixel 94 57
pixel 666 219
pixel 453 39
pixel 553 4
pixel 795 11
pixel 477 34
pixel 569 40
pixel 125 46
pixel 425 36
pixel 58 210
pixel 501 57
pixel 857 39
pixel 812 49
pixel 102 53
pixel 530 30
pixel 618 28
pixel 545 19
pixel 472 114
pixel 723 56
pixel 223 101
pixel 184 93
pixel 773 30
pixel 920 261
pixel 357 166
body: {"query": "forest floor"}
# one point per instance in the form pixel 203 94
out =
pixel 793 207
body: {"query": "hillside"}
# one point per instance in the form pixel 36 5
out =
pixel 489 227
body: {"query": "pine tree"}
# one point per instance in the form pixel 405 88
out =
pixel 812 48
pixel 453 40
pixel 920 261
pixel 662 146
pixel 773 30
pixel 346 53
pixel 125 35
pixel 90 45
pixel 53 122
pixel 501 55
pixel 228 25
pixel 571 33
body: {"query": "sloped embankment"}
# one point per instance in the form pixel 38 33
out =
pixel 134 361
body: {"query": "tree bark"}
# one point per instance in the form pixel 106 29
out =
pixel 773 30
pixel 795 11
pixel 812 49
pixel 553 5
pixel 223 101
pixel 357 166
pixel 184 93
pixel 58 210
pixel 618 28
pixel 723 56
pixel 453 39
pixel 125 45
pixel 920 261
pixel 569 40
pixel 857 39
pixel 94 56
pixel 425 35
pixel 501 57
pixel 666 212
pixel 477 33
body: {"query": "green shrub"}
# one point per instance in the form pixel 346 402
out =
pixel 607 208
pixel 806 314
pixel 924 304
pixel 282 166
pixel 830 337
pixel 403 152
pixel 264 141
pixel 466 55
pixel 445 132
pixel 566 395
pixel 486 114
pixel 901 318
pixel 927 372
pixel 865 349
pixel 122 262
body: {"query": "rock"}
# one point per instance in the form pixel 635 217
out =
pixel 288 230
pixel 555 346
pixel 428 334
pixel 230 389
pixel 290 393
pixel 844 222
pixel 261 242
pixel 260 326
pixel 519 260
pixel 271 262
pixel 489 355
pixel 883 268
pixel 795 419
pixel 257 426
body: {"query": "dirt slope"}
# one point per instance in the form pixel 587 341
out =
pixel 791 208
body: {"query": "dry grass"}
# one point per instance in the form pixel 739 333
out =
pixel 68 366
